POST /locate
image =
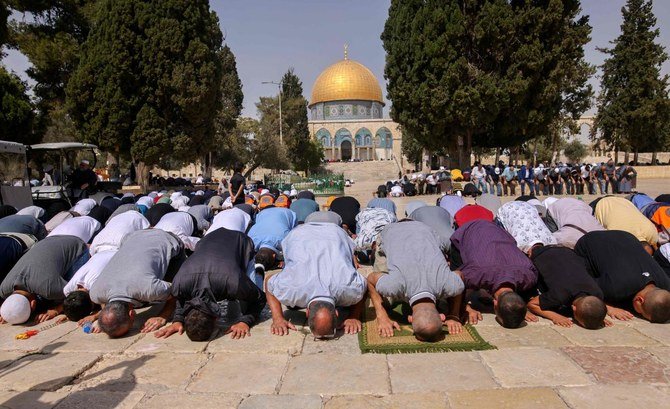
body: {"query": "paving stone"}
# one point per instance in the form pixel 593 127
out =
pixel 30 399
pixel 336 375
pixel 143 372
pixel 77 340
pixel 620 364
pixel 531 335
pixel 149 344
pixel 281 402
pixel 6 358
pixel 662 353
pixel 659 332
pixel 524 398
pixel 344 344
pixel 261 341
pixel 614 397
pixel 45 372
pixel 618 335
pixel 8 342
pixel 240 373
pixel 528 367
pixel 438 372
pixel 184 400
pixel 400 401
pixel 101 400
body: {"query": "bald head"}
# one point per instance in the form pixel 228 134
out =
pixel 116 319
pixel 657 305
pixel 590 312
pixel 322 319
pixel 426 322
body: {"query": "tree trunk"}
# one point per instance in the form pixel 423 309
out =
pixel 461 154
pixel 616 154
pixel 654 158
pixel 142 170
pixel 635 158
pixel 467 154
pixel 249 171
pixel 497 159
pixel 626 156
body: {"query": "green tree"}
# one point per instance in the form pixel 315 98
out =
pixel 16 110
pixel 412 149
pixel 266 150
pixel 484 73
pixel 633 106
pixel 50 37
pixel 149 80
pixel 227 117
pixel 303 152
pixel 575 151
pixel 4 31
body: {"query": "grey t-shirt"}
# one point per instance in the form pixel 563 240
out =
pixel 439 219
pixel 135 274
pixel 416 266
pixel 24 224
pixel 42 269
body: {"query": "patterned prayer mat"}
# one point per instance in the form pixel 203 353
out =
pixel 403 341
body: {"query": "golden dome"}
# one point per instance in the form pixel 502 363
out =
pixel 346 80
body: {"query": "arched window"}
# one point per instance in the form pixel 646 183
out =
pixel 323 136
pixel 341 136
pixel 384 138
pixel 365 137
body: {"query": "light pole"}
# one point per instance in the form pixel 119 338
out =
pixel 281 134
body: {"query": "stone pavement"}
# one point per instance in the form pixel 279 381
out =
pixel 539 366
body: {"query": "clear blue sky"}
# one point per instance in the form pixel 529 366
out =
pixel 269 36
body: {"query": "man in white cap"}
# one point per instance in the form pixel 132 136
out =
pixel 83 178
pixel 38 278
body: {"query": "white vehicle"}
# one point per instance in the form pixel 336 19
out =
pixel 14 184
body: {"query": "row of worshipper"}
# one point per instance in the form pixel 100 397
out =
pixel 431 260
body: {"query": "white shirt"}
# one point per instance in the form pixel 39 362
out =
pixel 477 173
pixel 84 206
pixel 396 190
pixel 181 225
pixel 83 227
pixel 89 272
pixel 118 227
pixel 232 219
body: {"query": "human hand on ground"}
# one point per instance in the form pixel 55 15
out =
pixel 281 327
pixel 562 321
pixel 91 319
pixel 239 331
pixel 153 324
pixel 608 323
pixel 530 317
pixel 169 330
pixel 473 315
pixel 352 326
pixel 386 326
pixel 453 326
pixel 50 314
pixel 619 313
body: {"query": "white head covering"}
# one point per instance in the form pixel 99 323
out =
pixel 15 309
pixel 200 193
pixel 232 219
pixel 294 193
pixel 175 195
pixel 182 225
pixel 84 206
pixel 83 227
pixel 117 228
pixel 179 201
pixel 145 201
pixel 34 211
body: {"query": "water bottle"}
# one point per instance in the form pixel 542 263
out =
pixel 87 327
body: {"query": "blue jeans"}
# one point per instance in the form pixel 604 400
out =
pixel 496 187
pixel 603 186
pixel 481 185
pixel 78 263
pixel 531 186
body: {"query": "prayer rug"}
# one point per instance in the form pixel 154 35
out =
pixel 403 341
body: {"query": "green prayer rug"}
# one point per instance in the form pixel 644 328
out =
pixel 404 342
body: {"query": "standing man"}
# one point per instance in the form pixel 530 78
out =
pixel 627 275
pixel 236 185
pixel 319 275
pixel 218 270
pixel 418 274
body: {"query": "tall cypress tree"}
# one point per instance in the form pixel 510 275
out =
pixel 149 79
pixel 633 106
pixel 303 152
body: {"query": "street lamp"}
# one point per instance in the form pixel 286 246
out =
pixel 279 85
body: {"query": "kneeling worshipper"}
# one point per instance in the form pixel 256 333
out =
pixel 413 205
pixel 231 219
pixel 35 283
pixel 59 218
pixel 617 213
pixel 347 207
pixel 324 216
pixel 574 218
pixel 487 258
pixel 627 275
pixel 416 273
pixel 438 219
pixel 12 247
pixel 469 213
pixel 489 201
pixel 140 272
pixel 451 203
pixel 566 289
pixel 523 222
pixel 203 216
pixel 219 269
pixel 369 222
pixel 383 203
pixel 77 305
pixel 182 225
pixel 23 224
pixel 319 274
pixel 125 208
pixel 273 224
pixel 157 211
pixel 303 208
pixel 83 227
